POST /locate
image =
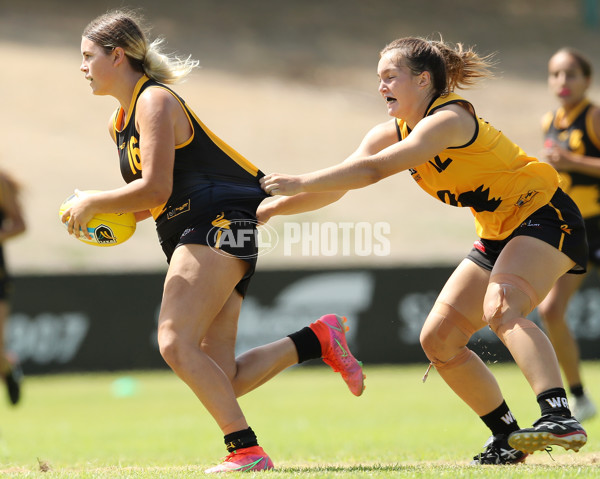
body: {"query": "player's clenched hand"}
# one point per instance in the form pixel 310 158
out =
pixel 280 184
pixel 78 216
pixel 558 157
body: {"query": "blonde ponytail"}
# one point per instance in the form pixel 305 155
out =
pixel 166 68
pixel 121 28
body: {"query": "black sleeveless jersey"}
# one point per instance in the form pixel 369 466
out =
pixel 208 175
pixel 579 137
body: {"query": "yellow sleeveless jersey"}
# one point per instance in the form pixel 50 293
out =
pixel 490 175
pixel 575 132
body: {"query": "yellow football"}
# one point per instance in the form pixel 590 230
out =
pixel 105 229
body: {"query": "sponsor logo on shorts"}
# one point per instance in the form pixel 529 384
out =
pixel 529 224
pixel 221 222
pixel 177 210
pixel 478 245
pixel 566 229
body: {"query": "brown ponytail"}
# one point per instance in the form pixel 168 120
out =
pixel 449 67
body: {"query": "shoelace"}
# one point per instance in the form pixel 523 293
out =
pixel 493 450
pixel 489 453
pixel 228 457
pixel 424 378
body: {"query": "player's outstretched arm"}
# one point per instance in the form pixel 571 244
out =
pixel 292 205
pixel 381 155
pixel 378 138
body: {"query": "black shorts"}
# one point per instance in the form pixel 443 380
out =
pixel 559 223
pixel 592 228
pixel 231 232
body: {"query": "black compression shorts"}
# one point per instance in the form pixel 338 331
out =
pixel 559 223
pixel 232 232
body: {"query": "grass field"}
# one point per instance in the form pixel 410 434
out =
pixel 149 425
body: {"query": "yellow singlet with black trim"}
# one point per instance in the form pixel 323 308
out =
pixel 576 134
pixel 208 175
pixel 490 175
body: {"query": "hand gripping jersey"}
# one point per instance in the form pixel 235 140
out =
pixel 489 174
pixel 208 176
pixel 576 134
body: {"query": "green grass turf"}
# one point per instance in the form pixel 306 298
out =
pixel 149 425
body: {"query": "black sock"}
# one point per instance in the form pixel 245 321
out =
pixel 577 390
pixel 307 344
pixel 240 439
pixel 554 401
pixel 501 421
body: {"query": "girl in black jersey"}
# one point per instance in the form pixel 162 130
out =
pixel 572 146
pixel 203 197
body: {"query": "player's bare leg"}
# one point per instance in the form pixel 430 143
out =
pixel 444 338
pixel 254 367
pixel 553 312
pixel 525 271
pixel 198 285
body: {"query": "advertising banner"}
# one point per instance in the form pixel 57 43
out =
pixel 109 322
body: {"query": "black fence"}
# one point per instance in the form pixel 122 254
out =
pixel 108 322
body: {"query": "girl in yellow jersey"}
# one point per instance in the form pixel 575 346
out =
pixel 203 197
pixel 531 233
pixel 572 146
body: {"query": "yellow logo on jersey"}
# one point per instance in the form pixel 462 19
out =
pixel 566 229
pixel 526 198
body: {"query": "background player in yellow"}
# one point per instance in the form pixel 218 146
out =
pixel 572 146
pixel 531 233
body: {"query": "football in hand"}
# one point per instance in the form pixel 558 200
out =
pixel 105 229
